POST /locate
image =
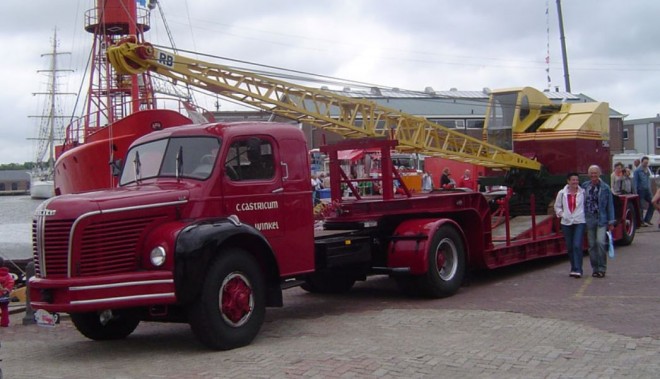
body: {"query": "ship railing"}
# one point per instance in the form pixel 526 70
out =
pixel 80 128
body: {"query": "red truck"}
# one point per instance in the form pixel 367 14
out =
pixel 211 222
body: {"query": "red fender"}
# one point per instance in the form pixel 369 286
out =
pixel 410 243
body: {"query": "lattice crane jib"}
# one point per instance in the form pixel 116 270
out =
pixel 348 117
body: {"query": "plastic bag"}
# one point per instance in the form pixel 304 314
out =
pixel 611 244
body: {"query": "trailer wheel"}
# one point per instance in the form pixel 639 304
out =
pixel 328 283
pixel 231 308
pixel 628 228
pixel 91 325
pixel 446 264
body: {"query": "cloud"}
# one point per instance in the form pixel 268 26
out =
pixel 443 44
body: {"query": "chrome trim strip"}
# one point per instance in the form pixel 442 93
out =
pixel 71 232
pixel 123 284
pixel 163 296
pixel 114 210
pixel 40 235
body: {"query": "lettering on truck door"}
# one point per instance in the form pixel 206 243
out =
pixel 267 186
pixel 252 184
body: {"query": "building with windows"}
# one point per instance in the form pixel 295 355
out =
pixel 14 182
pixel 642 136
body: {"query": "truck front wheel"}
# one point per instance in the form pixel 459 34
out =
pixel 446 261
pixel 231 308
pixel 105 327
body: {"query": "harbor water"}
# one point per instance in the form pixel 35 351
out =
pixel 16 226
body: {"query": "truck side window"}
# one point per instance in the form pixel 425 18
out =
pixel 250 159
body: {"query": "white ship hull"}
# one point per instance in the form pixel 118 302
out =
pixel 42 189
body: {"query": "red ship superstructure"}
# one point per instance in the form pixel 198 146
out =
pixel 119 108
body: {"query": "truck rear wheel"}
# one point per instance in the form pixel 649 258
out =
pixel 91 325
pixel 231 308
pixel 628 228
pixel 446 264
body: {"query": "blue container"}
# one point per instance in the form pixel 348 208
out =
pixel 324 194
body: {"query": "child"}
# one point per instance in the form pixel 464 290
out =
pixel 6 285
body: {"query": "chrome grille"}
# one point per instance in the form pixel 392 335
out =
pixel 110 247
pixel 51 239
pixel 107 247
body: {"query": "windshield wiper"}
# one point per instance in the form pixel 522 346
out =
pixel 179 163
pixel 137 167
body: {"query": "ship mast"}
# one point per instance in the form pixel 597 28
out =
pixel 48 131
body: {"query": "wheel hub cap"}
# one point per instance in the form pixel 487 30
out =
pixel 236 299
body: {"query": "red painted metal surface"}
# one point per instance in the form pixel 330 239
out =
pixel 109 291
pixel 86 167
pixel 410 244
pixel 561 156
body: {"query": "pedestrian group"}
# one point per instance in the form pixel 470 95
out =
pixel 590 207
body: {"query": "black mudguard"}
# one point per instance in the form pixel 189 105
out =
pixel 197 245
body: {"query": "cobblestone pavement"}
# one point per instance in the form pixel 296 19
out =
pixel 529 321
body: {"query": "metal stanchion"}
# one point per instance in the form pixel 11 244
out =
pixel 28 318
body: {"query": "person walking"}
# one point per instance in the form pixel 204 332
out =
pixel 620 181
pixel 316 187
pixel 569 206
pixel 599 217
pixel 467 181
pixel 642 184
pixel 427 182
pixel 6 286
pixel 445 181
pixel 627 184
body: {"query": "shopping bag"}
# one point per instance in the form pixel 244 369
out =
pixel 611 244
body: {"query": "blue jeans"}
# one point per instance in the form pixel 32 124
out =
pixel 574 234
pixel 645 195
pixel 597 247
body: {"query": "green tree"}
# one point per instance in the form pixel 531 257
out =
pixel 17 166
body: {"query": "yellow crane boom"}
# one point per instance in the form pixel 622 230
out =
pixel 348 117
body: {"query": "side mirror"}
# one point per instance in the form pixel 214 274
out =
pixel 116 167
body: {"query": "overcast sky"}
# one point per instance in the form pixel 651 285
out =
pixel 612 45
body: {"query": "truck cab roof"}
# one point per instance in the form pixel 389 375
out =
pixel 226 130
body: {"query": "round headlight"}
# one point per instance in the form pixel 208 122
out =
pixel 158 256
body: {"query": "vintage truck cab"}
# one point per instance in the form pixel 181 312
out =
pixel 142 251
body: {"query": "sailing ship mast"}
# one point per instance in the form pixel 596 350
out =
pixel 49 133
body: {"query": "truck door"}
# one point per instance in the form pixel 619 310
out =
pixel 257 190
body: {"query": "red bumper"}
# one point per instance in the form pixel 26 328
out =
pixel 102 292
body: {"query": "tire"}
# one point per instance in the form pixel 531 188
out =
pixel 232 306
pixel 120 326
pixel 628 228
pixel 328 284
pixel 446 258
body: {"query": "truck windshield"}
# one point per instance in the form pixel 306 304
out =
pixel 190 157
